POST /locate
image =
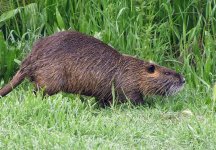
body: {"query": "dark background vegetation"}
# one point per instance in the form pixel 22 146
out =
pixel 179 34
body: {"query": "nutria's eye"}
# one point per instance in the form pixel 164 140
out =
pixel 167 73
pixel 151 69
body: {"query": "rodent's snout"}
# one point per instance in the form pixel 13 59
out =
pixel 178 85
pixel 181 79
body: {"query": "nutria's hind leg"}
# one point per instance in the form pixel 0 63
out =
pixel 36 88
pixel 48 86
pixel 47 91
pixel 50 91
pixel 50 78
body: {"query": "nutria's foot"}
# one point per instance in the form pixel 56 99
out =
pixel 105 103
pixel 134 97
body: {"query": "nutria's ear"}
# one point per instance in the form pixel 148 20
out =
pixel 151 68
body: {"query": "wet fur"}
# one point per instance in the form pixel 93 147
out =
pixel 76 63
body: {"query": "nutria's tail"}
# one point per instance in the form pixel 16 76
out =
pixel 17 79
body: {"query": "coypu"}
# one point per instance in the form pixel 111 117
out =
pixel 72 62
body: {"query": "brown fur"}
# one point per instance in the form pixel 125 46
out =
pixel 76 63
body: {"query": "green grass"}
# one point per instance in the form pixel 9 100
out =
pixel 180 35
pixel 63 121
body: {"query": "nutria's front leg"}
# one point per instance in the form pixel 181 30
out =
pixel 135 98
pixel 105 102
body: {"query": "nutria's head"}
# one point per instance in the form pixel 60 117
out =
pixel 160 80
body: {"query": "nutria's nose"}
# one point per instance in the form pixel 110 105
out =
pixel 181 78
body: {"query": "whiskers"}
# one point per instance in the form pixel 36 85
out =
pixel 164 88
pixel 175 88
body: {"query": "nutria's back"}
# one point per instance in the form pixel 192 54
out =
pixel 76 63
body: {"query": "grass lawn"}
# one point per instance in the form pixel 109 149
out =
pixel 66 121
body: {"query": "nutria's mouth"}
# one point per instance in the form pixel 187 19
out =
pixel 169 88
pixel 175 88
